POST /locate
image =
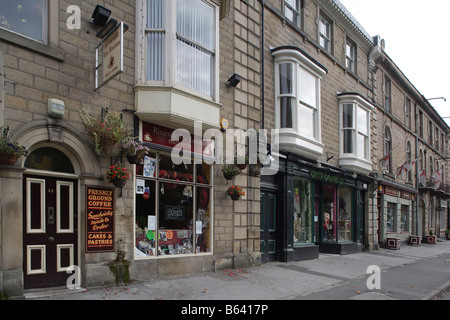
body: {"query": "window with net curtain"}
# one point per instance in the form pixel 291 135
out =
pixel 195 31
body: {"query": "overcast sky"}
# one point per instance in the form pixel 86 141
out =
pixel 417 40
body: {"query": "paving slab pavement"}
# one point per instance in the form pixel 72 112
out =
pixel 411 273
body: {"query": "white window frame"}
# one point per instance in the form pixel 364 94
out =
pixel 353 160
pixel 292 139
pixel 170 44
pixel 326 38
pixel 296 11
pixel 350 59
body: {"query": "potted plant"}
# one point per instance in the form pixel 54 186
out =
pixel 235 192
pixel 431 239
pixel 117 175
pixel 106 130
pixel 230 171
pixel 447 234
pixel 10 151
pixel 241 162
pixel 133 149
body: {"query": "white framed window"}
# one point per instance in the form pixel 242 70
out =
pixel 184 31
pixel 350 56
pixel 408 113
pixel 387 94
pixel 325 34
pixel 388 149
pixel 27 18
pixel 355 130
pixel 298 99
pixel 292 11
pixel 409 160
pixel 298 82
pixel 355 114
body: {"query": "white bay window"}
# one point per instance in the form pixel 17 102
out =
pixel 298 82
pixel 185 32
pixel 355 132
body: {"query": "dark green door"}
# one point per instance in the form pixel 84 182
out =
pixel 268 226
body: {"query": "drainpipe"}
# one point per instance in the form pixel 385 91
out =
pixel 416 112
pixel 262 65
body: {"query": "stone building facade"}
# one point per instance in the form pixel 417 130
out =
pixel 57 60
pixel 347 121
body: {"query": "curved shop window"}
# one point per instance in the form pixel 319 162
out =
pixel 173 208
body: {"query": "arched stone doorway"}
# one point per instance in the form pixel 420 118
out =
pixel 42 198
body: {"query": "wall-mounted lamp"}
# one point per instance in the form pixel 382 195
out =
pixel 100 16
pixel 234 80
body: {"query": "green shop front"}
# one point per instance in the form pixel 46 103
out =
pixel 319 209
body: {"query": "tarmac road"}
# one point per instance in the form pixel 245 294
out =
pixel 411 273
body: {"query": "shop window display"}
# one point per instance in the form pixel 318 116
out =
pixel 337 213
pixel 329 213
pixel 390 217
pixel 172 207
pixel 405 218
pixel 345 214
pixel 303 219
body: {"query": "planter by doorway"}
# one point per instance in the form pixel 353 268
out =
pixel 9 160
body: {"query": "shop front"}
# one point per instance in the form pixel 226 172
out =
pixel 173 205
pixel 396 218
pixel 322 209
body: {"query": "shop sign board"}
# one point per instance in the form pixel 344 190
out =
pixel 162 136
pixel 99 219
pixel 327 178
pixel 391 192
pixel 109 57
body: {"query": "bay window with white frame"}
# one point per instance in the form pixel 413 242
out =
pixel 177 47
pixel 298 82
pixel 194 47
pixel 355 114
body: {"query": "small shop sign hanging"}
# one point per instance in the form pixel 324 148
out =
pixel 99 219
pixel 109 57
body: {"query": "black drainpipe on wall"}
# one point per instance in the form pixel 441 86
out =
pixel 262 65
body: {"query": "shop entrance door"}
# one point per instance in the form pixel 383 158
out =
pixel 49 229
pixel 268 226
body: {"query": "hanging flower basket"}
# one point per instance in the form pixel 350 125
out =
pixel 133 149
pixel 133 158
pixel 119 183
pixel 242 162
pixel 117 175
pixel 230 171
pixel 235 192
pixel 107 130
